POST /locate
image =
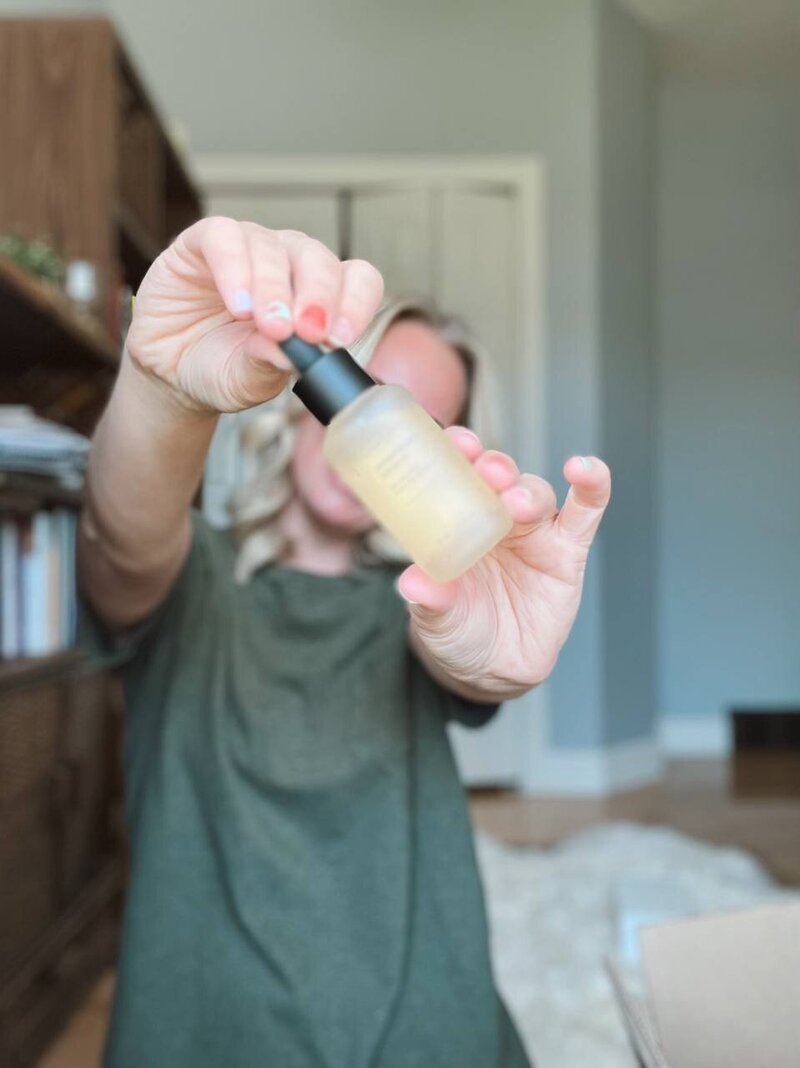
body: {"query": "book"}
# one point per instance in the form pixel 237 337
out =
pixel 54 568
pixel 10 643
pixel 66 522
pixel 35 585
pixel 38 582
pixel 38 446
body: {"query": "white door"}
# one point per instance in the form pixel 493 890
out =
pixel 393 229
pixel 457 245
pixel 456 242
pixel 315 213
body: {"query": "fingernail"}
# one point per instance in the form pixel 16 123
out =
pixel 242 300
pixel 586 463
pixel 467 433
pixel 314 316
pixel 406 599
pixel 524 494
pixel 342 332
pixel 277 309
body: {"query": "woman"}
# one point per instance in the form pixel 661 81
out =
pixel 303 889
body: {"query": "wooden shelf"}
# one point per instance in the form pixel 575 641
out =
pixel 27 670
pixel 38 325
pixel 26 493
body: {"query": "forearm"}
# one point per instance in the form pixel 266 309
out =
pixel 145 465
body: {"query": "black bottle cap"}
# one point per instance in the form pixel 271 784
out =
pixel 328 381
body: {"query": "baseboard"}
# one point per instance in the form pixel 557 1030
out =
pixel 595 771
pixel 695 736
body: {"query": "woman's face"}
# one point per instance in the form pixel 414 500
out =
pixel 411 355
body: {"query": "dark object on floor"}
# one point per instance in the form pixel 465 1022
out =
pixel 766 753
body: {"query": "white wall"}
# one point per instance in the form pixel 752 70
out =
pixel 729 393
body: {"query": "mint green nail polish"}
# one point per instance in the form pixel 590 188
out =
pixel 277 309
pixel 586 463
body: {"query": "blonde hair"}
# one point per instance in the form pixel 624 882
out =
pixel 268 439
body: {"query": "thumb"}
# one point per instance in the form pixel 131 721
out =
pixel 253 369
pixel 427 600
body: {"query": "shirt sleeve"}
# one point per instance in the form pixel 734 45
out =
pixel 109 648
pixel 472 714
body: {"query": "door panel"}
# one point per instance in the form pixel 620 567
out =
pixel 478 279
pixel 314 214
pixel 392 228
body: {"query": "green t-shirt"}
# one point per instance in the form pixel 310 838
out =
pixel 303 889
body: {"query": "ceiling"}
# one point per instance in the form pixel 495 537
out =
pixel 729 37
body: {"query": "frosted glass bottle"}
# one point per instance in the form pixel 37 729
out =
pixel 415 482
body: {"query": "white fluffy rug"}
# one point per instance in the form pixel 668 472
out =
pixel 552 919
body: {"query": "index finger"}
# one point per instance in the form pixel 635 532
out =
pixel 220 242
pixel 589 494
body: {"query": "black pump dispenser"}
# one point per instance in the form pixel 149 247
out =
pixel 328 381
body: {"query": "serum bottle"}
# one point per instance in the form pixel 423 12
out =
pixel 399 463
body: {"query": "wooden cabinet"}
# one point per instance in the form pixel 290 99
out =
pixel 57 132
pixel 88 167
pixel 60 853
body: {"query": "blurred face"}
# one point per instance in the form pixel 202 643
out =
pixel 411 355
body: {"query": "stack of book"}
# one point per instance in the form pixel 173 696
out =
pixel 41 475
pixel 37 576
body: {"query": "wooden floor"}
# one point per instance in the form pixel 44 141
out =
pixel 755 806
pixel 81 1043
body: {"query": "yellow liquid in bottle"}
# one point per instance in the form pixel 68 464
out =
pixel 415 482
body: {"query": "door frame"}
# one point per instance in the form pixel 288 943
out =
pixel 248 173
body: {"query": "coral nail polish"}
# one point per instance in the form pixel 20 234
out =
pixel 314 317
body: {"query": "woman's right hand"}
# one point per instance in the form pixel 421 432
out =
pixel 213 306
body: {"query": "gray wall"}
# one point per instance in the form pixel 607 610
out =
pixel 604 683
pixel 27 8
pixel 729 393
pixel 627 117
pixel 418 77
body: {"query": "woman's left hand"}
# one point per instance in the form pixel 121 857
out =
pixel 497 630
